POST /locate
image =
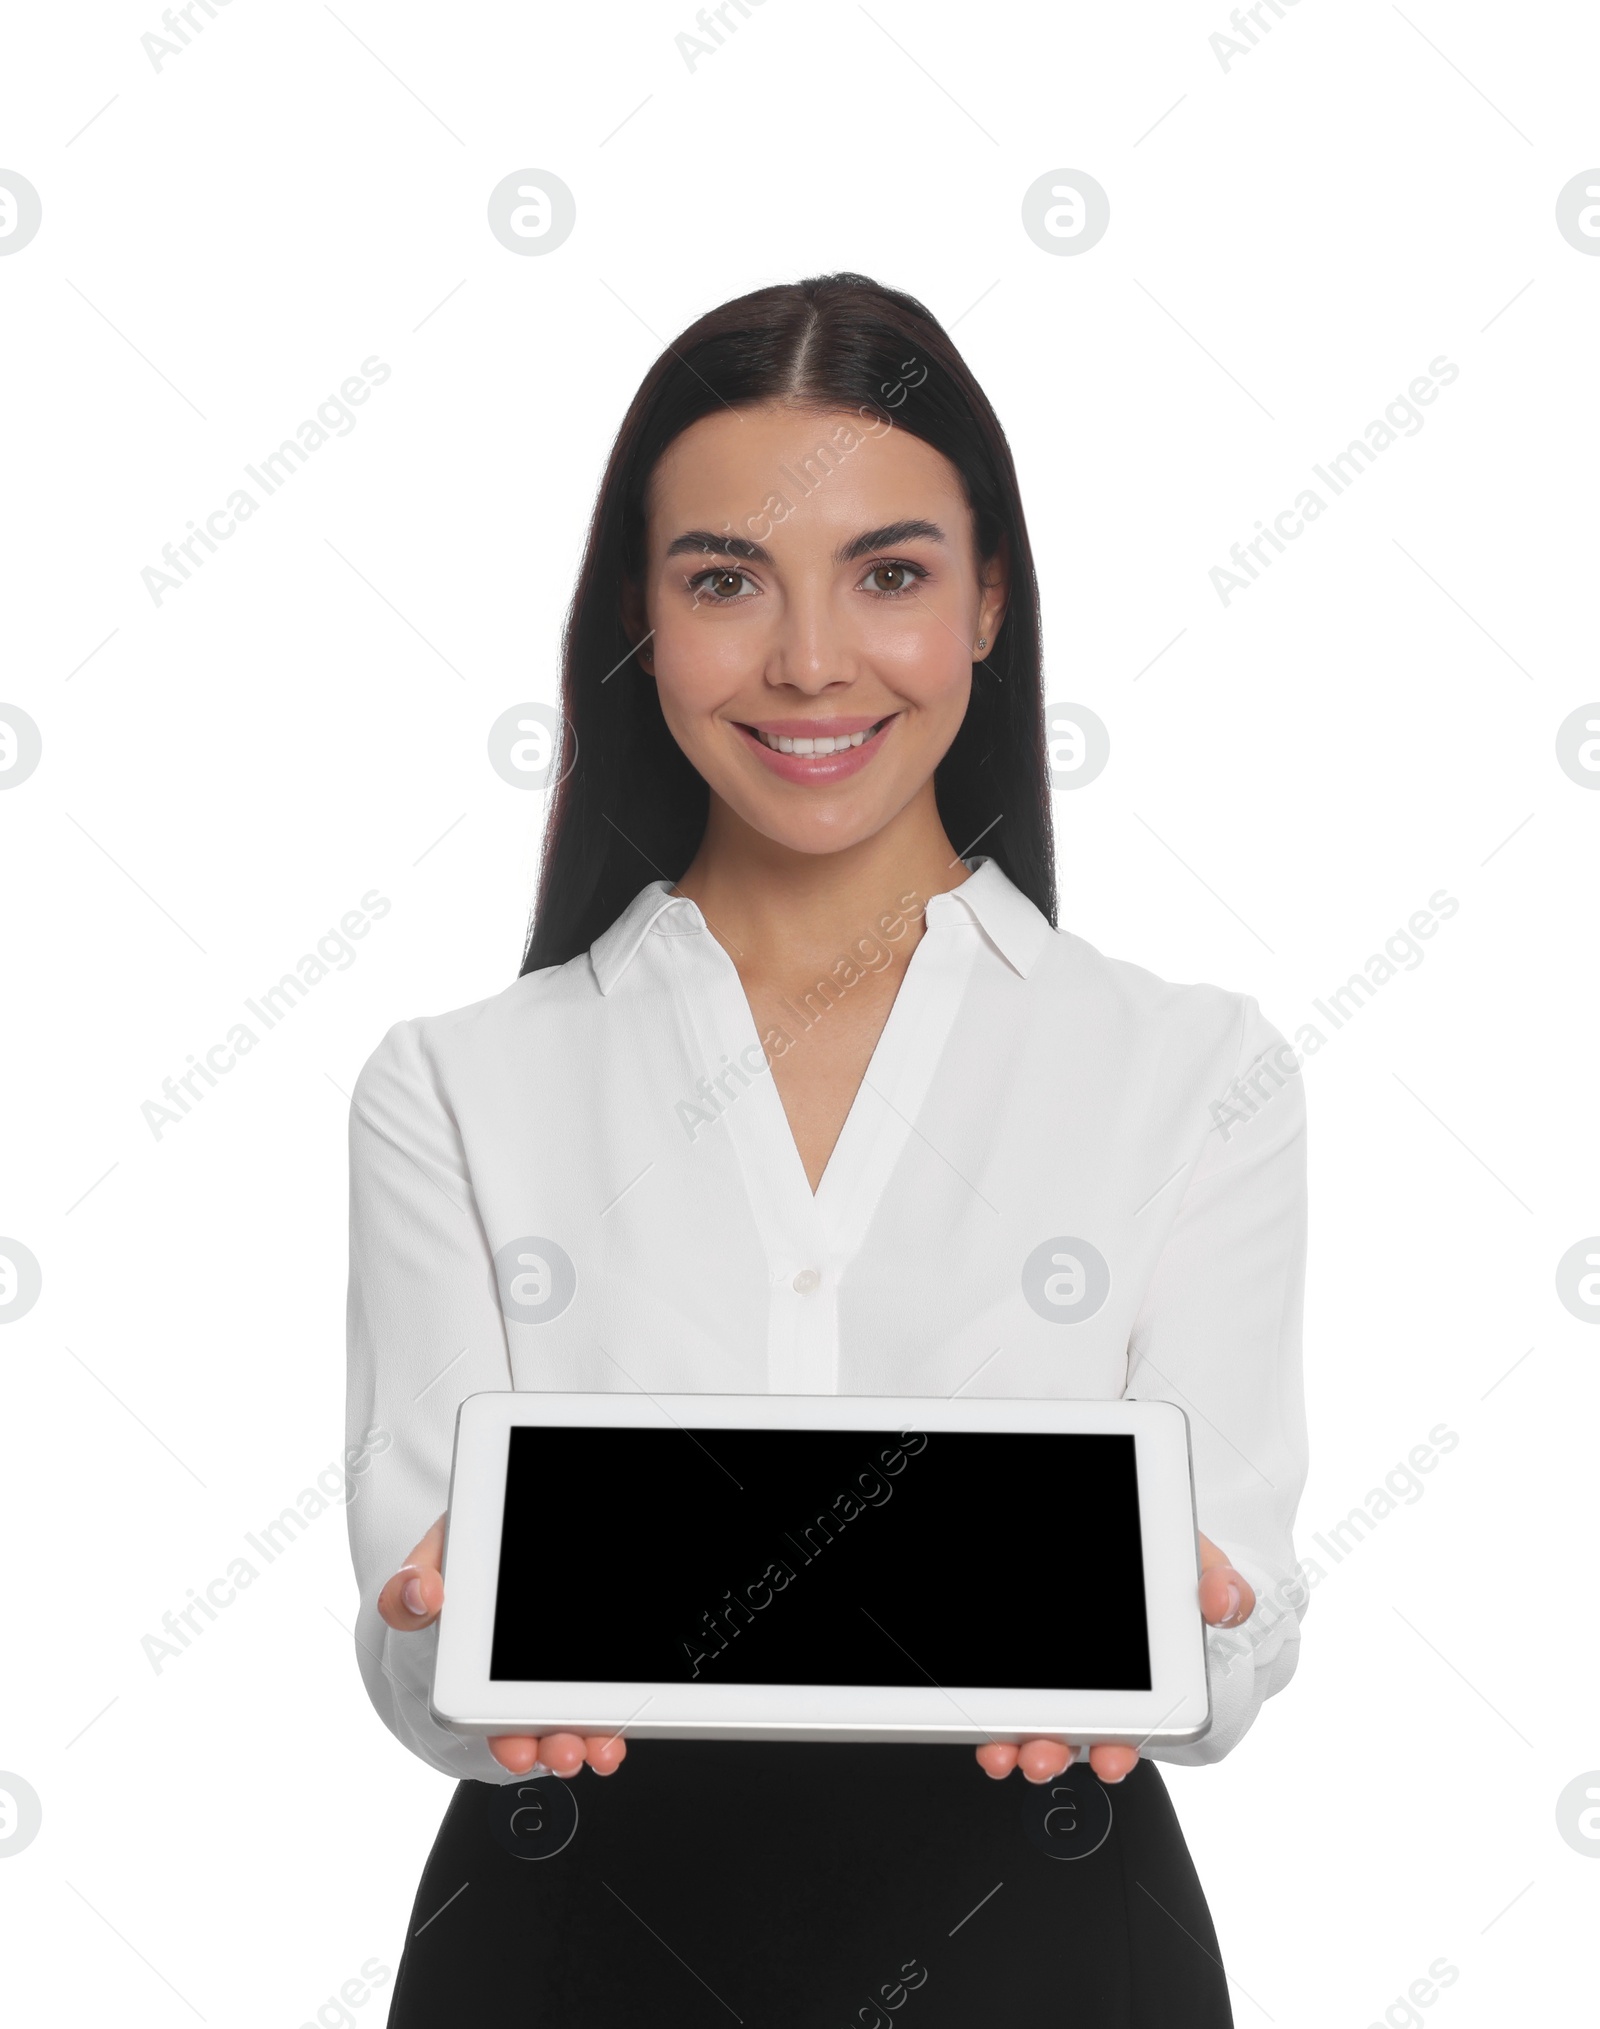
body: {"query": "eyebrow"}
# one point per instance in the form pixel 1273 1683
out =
pixel 702 542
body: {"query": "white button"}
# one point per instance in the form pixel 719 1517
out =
pixel 807 1280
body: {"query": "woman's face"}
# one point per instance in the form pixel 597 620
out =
pixel 816 602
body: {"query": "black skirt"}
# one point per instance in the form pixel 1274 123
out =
pixel 791 1886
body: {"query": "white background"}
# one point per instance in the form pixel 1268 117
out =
pixel 1293 239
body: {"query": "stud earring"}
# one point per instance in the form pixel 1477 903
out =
pixel 982 641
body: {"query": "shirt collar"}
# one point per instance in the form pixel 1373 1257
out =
pixel 1012 924
pixel 613 950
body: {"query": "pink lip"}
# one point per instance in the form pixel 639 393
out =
pixel 816 768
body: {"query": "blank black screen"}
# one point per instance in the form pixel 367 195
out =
pixel 822 1557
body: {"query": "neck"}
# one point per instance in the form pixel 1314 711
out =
pixel 778 911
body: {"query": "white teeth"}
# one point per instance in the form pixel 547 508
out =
pixel 782 744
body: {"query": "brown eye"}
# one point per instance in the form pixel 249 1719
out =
pixel 896 572
pixel 718 587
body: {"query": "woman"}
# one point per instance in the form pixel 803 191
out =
pixel 793 1083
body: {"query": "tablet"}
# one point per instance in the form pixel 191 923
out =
pixel 821 1567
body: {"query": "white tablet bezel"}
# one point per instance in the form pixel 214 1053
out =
pixel 1177 1707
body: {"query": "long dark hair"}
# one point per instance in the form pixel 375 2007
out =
pixel 629 807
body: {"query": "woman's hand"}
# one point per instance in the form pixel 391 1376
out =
pixel 1225 1600
pixel 412 1599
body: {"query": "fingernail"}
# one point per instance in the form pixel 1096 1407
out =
pixel 411 1596
pixel 1235 1600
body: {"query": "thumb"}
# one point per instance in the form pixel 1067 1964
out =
pixel 1226 1595
pixel 414 1595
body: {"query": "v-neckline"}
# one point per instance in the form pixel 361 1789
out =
pixel 852 1111
pixel 849 1159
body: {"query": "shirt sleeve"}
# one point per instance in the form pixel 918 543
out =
pixel 1220 1335
pixel 423 1329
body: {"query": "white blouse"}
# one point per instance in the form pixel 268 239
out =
pixel 1062 1176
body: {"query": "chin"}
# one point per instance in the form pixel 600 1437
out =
pixel 813 832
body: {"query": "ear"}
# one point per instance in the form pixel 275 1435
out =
pixel 994 579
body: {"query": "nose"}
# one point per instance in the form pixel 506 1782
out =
pixel 809 652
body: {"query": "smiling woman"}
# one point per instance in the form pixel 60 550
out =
pixel 801 689
pixel 913 540
pixel 841 651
